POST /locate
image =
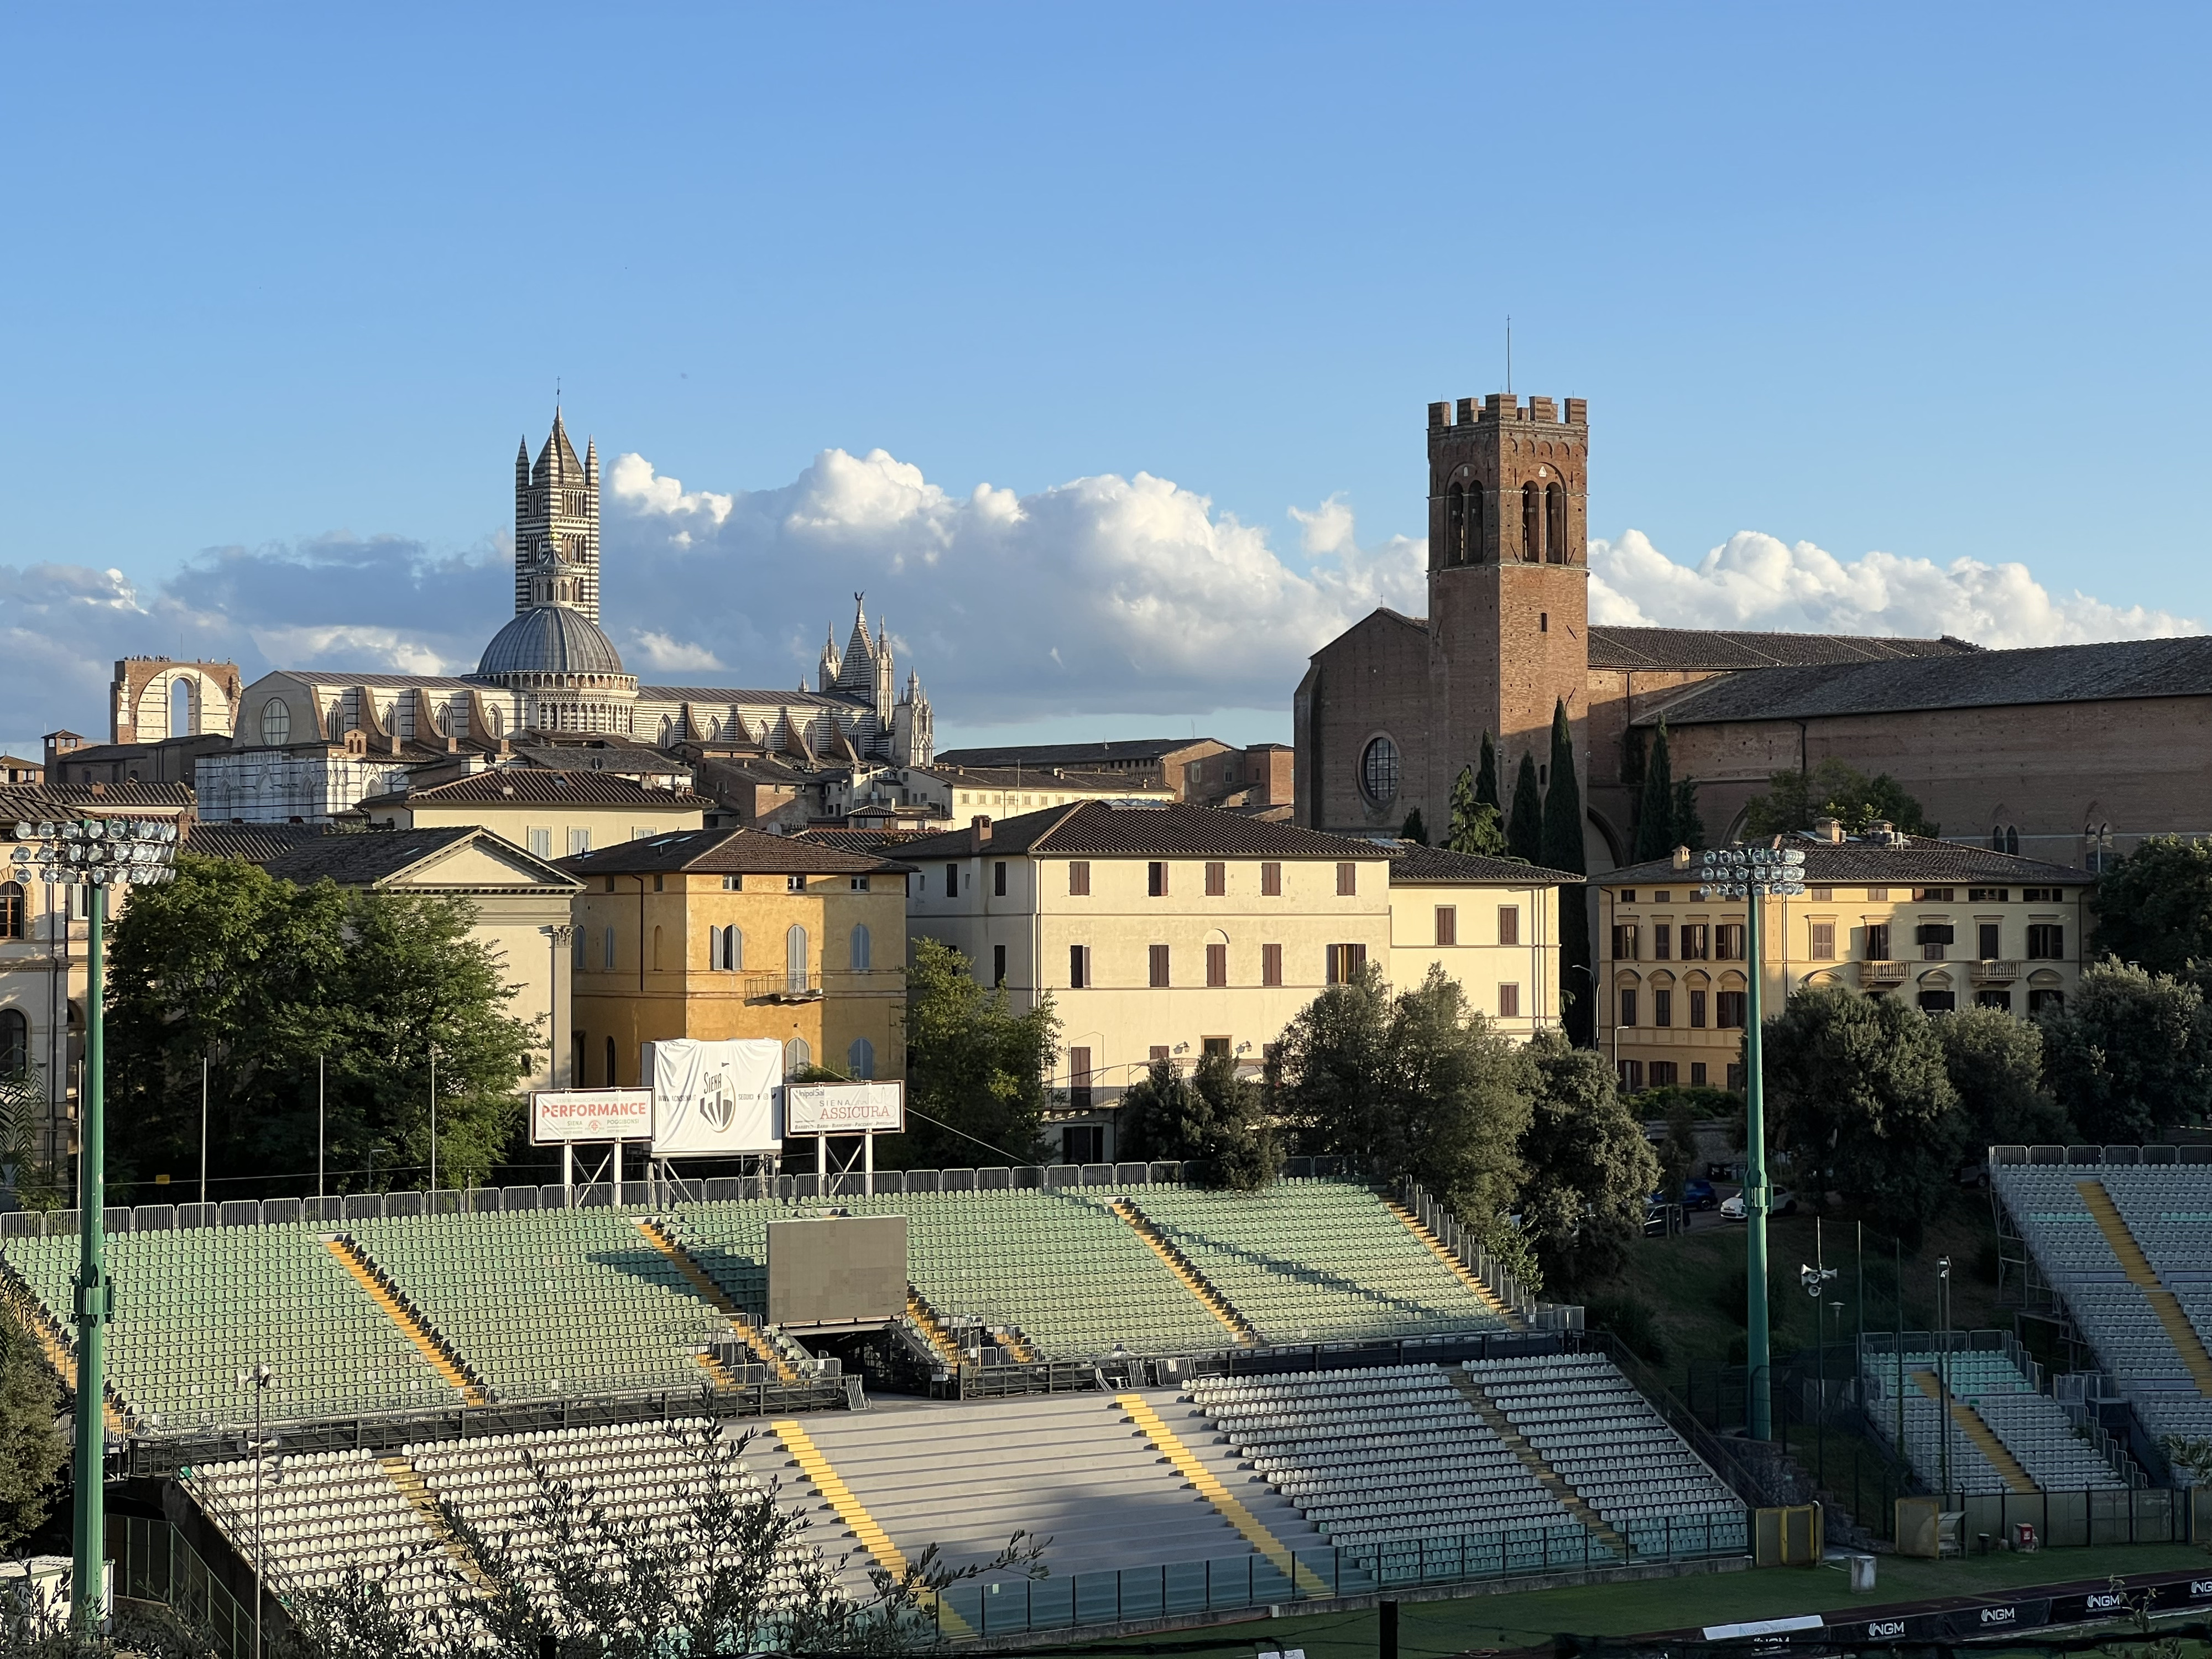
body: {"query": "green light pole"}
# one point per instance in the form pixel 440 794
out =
pixel 98 855
pixel 1754 874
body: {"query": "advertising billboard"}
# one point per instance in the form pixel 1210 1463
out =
pixel 716 1099
pixel 844 1108
pixel 565 1115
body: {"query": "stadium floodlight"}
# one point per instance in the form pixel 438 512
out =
pixel 101 855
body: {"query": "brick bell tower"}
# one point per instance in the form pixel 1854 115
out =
pixel 1509 601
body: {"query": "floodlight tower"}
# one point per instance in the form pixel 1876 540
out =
pixel 1752 873
pixel 101 855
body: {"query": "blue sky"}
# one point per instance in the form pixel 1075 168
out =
pixel 285 284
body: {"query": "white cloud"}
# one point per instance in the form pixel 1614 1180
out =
pixel 660 651
pixel 1756 581
pixel 1327 528
pixel 338 645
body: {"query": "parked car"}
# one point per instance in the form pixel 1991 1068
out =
pixel 1697 1194
pixel 1781 1201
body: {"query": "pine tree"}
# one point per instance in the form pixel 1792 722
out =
pixel 1563 850
pixel 1476 828
pixel 1655 812
pixel 1689 826
pixel 1415 830
pixel 1524 830
pixel 1486 780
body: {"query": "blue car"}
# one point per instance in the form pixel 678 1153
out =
pixel 1697 1194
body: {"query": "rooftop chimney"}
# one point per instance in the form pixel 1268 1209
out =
pixel 1681 860
pixel 1828 829
pixel 979 830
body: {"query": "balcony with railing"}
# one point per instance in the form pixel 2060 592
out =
pixel 794 985
pixel 1988 972
pixel 1882 974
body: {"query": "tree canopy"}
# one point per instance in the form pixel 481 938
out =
pixel 1995 1063
pixel 1416 829
pixel 974 1064
pixel 1476 829
pixel 2153 907
pixel 1485 777
pixel 1524 830
pixel 261 978
pixel 1213 1117
pixel 32 1446
pixel 2129 1054
pixel 1589 1168
pixel 1667 810
pixel 1563 850
pixel 1834 789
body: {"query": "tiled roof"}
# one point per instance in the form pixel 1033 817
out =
pixel 726 852
pixel 862 840
pixel 365 857
pixel 1921 861
pixel 581 758
pixel 1048 755
pixel 1031 777
pixel 251 843
pixel 1983 679
pixel 31 800
pixel 1168 830
pixel 1722 648
pixel 1412 864
pixel 723 693
pixel 531 786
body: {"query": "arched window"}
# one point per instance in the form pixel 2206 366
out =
pixel 1996 838
pixel 1477 548
pixel 797 1056
pixel 861 948
pixel 181 708
pixel 610 1062
pixel 11 910
pixel 1378 771
pixel 1456 526
pixel 794 958
pixel 15 1043
pixel 276 722
pixel 726 948
pixel 861 1058
pixel 2012 839
pixel 1532 523
pixel 1555 523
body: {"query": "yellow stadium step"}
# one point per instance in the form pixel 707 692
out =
pixel 1459 1269
pixel 1546 1476
pixel 53 1342
pixel 1208 1485
pixel 1184 1268
pixel 2140 1273
pixel 716 1297
pixel 404 1476
pixel 357 1262
pixel 933 1329
pixel 1978 1434
pixel 854 1514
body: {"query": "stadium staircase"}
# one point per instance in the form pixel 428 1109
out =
pixel 354 1262
pixel 53 1343
pixel 403 1474
pixel 1458 1269
pixel 714 1295
pixel 2163 1304
pixel 1978 1434
pixel 1208 1484
pixel 930 1326
pixel 1185 1270
pixel 853 1516
pixel 1535 1462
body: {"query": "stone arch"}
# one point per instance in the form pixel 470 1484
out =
pixel 1532 523
pixel 1596 826
pixel 1456 524
pixel 1556 550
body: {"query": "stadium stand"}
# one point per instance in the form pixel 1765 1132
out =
pixel 322 1515
pixel 2124 1243
pixel 2004 1436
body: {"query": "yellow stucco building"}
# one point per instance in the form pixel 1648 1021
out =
pixel 1945 924
pixel 550 813
pixel 722 933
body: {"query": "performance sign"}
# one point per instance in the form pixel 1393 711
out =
pixel 716 1099
pixel 844 1108
pixel 566 1115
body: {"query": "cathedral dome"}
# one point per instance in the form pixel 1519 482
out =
pixel 549 640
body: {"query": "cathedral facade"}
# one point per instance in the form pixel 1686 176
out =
pixel 2067 754
pixel 313 742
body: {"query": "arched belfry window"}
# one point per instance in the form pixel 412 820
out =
pixel 1532 523
pixel 1477 548
pixel 1555 524
pixel 1456 526
pixel 2012 839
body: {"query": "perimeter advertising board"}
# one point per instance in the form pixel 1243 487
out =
pixel 844 1108
pixel 559 1115
pixel 716 1099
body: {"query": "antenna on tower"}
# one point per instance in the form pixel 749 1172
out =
pixel 1508 352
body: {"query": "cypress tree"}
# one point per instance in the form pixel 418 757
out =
pixel 1563 850
pixel 1476 828
pixel 1415 830
pixel 1655 811
pixel 1486 780
pixel 1524 830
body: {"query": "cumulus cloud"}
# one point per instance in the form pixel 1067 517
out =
pixel 1756 581
pixel 660 651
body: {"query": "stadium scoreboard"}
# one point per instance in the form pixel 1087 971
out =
pixel 836 1270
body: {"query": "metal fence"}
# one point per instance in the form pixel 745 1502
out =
pixel 2146 1515
pixel 155 1563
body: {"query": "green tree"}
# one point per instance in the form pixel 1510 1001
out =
pixel 1415 830
pixel 1563 850
pixel 1689 824
pixel 1416 1084
pixel 35 1181
pixel 2129 1054
pixel 32 1446
pixel 2154 908
pixel 1476 829
pixel 1655 809
pixel 1860 1099
pixel 1995 1063
pixel 1678 1151
pixel 261 978
pixel 1834 789
pixel 1213 1117
pixel 1524 830
pixel 1589 1169
pixel 974 1065
pixel 1485 777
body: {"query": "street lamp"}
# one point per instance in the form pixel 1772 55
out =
pixel 1754 874
pixel 99 855
pixel 1816 1281
pixel 258 1379
pixel 1943 1365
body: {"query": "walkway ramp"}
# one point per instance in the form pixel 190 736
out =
pixel 2162 1301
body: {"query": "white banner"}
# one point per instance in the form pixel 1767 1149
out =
pixel 560 1115
pixel 844 1108
pixel 716 1099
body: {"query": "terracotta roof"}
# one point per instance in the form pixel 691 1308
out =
pixel 1076 755
pixel 1163 830
pixel 1920 861
pixel 1983 679
pixel 724 694
pixel 1031 777
pixel 609 757
pixel 364 858
pixel 251 843
pixel 1412 864
pixel 862 840
pixel 1724 648
pixel 731 851
pixel 31 800
pixel 531 786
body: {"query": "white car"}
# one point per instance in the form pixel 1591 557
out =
pixel 1780 1201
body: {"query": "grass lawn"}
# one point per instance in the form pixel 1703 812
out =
pixel 1533 1617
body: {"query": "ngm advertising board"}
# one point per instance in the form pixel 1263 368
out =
pixel 716 1099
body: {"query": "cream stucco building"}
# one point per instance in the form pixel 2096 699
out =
pixel 555 814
